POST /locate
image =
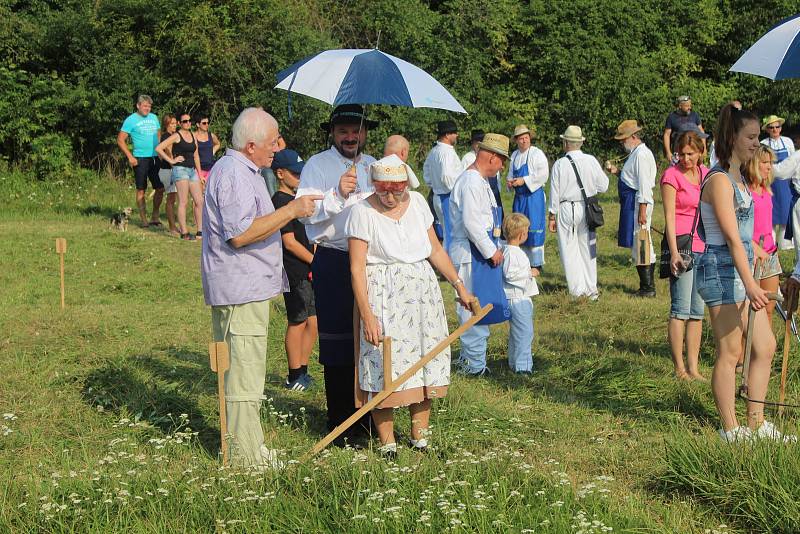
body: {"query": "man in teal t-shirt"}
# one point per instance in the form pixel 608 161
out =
pixel 143 129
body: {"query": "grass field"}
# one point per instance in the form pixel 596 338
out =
pixel 109 409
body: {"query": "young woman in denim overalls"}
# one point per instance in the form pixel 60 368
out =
pixel 725 281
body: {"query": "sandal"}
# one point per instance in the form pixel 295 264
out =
pixel 199 235
pixel 154 223
pixel 187 237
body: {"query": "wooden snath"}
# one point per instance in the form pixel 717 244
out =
pixel 478 314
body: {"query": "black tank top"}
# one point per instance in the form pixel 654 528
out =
pixel 186 149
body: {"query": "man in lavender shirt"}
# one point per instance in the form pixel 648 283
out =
pixel 242 268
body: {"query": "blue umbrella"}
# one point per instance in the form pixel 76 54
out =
pixel 776 55
pixel 353 76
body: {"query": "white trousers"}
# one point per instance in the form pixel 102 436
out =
pixel 473 341
pixel 796 230
pixel 577 247
pixel 653 258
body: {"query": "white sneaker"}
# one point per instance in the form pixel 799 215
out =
pixel 739 434
pixel 768 431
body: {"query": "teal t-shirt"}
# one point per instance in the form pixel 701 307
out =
pixel 143 132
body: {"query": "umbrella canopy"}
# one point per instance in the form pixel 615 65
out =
pixel 776 55
pixel 353 76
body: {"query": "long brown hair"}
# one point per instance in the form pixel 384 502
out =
pixel 729 123
pixel 165 120
pixel 753 175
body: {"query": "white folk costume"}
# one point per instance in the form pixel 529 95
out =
pixel 475 238
pixel 519 286
pixel 333 289
pixel 577 246
pixel 405 297
pixel 468 159
pixel 529 199
pixel 440 171
pixel 637 178
pixel 788 171
pixel 784 196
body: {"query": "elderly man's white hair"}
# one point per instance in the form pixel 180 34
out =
pixel 572 145
pixel 253 125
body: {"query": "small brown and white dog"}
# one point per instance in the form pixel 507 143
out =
pixel 119 220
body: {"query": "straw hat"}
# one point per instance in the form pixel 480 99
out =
pixel 769 120
pixel 496 143
pixel 522 129
pixel 573 134
pixel 393 169
pixel 627 128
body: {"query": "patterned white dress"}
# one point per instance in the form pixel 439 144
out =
pixel 405 297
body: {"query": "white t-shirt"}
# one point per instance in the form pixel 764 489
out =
pixel 393 241
pixel 518 281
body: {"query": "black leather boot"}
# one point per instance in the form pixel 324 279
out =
pixel 647 287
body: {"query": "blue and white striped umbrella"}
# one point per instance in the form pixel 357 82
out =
pixel 365 77
pixel 776 55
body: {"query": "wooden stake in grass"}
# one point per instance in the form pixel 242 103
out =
pixel 411 371
pixel 784 365
pixel 61 249
pixel 221 362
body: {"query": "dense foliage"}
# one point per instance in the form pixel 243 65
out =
pixel 73 68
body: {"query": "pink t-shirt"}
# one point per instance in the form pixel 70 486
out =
pixel 687 198
pixel 762 220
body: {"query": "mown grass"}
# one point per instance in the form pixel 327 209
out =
pixel 111 421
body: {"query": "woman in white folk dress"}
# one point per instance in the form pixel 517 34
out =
pixel 392 249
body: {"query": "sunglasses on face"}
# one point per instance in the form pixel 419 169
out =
pixel 773 127
pixel 184 121
pixel 203 122
pixel 385 193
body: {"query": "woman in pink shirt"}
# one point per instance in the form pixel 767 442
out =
pixel 758 174
pixel 680 192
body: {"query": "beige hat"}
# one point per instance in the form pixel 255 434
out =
pixel 496 143
pixel 573 134
pixel 393 169
pixel 769 120
pixel 522 129
pixel 627 128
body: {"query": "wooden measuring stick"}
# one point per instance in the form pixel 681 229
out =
pixel 387 362
pixel 785 363
pixel 748 345
pixel 61 249
pixel 221 362
pixel 411 371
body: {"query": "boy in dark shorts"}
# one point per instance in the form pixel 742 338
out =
pixel 301 314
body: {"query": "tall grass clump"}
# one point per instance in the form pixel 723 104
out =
pixel 757 486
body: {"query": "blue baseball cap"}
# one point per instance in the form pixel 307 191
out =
pixel 288 159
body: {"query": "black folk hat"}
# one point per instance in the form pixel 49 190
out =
pixel 348 114
pixel 476 136
pixel 446 127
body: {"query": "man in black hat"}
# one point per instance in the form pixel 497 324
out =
pixel 441 168
pixel 341 175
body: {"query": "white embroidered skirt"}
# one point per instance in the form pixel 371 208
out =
pixel 407 301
